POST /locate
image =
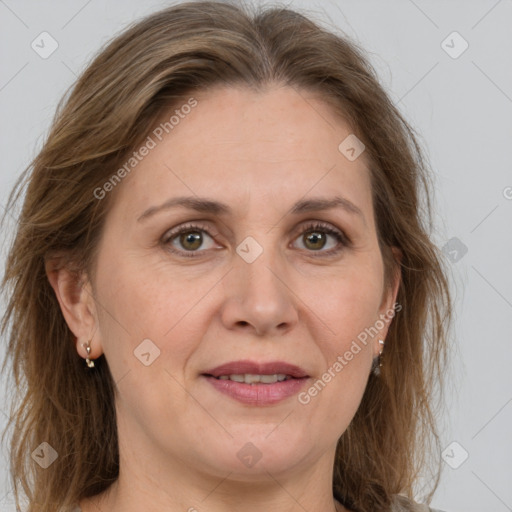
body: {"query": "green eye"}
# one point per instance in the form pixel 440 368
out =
pixel 187 240
pixel 191 240
pixel 316 237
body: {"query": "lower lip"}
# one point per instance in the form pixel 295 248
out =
pixel 258 394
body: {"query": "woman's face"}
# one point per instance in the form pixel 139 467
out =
pixel 245 281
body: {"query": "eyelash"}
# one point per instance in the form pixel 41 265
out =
pixel 339 235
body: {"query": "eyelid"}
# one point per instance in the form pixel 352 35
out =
pixel 330 229
pixel 304 227
pixel 172 233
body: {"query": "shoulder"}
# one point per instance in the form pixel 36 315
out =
pixel 403 504
pixel 400 504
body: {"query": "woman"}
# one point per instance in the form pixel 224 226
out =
pixel 224 223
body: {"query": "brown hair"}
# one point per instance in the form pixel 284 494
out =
pixel 140 74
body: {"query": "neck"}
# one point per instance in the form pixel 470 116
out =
pixel 152 491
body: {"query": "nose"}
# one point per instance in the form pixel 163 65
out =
pixel 258 299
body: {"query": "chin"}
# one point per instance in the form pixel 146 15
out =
pixel 251 452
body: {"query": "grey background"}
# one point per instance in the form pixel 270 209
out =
pixel 462 107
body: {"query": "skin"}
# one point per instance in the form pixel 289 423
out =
pixel 259 153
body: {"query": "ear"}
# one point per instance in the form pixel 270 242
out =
pixel 74 294
pixel 387 308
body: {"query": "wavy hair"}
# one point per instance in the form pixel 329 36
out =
pixel 138 75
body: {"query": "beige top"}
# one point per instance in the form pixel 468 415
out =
pixel 401 504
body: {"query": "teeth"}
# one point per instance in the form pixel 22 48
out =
pixel 249 378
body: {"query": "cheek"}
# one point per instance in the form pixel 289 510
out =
pixel 348 309
pixel 348 302
pixel 347 312
pixel 146 301
pixel 144 315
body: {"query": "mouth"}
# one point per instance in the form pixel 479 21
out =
pixel 251 378
pixel 254 372
pixel 257 383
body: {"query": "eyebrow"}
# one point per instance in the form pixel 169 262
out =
pixel 206 205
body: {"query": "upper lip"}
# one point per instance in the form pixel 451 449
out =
pixel 257 368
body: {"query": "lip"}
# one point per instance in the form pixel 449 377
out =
pixel 257 394
pixel 246 366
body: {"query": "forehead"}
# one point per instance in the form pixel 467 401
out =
pixel 242 146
